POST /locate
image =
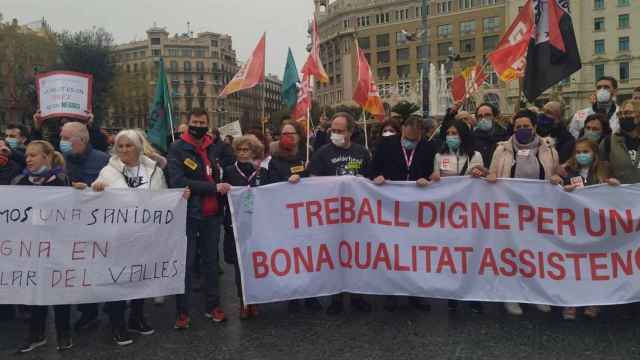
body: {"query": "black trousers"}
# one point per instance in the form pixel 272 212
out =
pixel 117 310
pixel 38 322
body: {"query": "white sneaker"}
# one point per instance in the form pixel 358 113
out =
pixel 158 300
pixel 543 308
pixel 513 308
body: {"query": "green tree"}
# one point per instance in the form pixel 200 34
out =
pixel 89 51
pixel 405 108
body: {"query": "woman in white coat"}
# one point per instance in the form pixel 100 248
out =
pixel 130 168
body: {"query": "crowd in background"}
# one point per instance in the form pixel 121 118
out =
pixel 599 144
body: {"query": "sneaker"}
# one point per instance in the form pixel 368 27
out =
pixel 158 301
pixel 64 343
pixel 569 313
pixel 313 305
pixel 335 308
pixel 140 326
pixel 419 304
pixel 543 308
pixel 121 335
pixel 245 313
pixel 361 304
pixel 32 344
pixel 476 307
pixel 591 312
pixel 293 306
pixel 86 323
pixel 452 305
pixel 253 309
pixel 391 303
pixel 216 315
pixel 182 322
pixel 513 309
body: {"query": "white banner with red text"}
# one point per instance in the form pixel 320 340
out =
pixel 65 246
pixel 517 240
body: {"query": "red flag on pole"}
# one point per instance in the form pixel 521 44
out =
pixel 301 110
pixel 366 93
pixel 250 74
pixel 313 66
pixel 468 82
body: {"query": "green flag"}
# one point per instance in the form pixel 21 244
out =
pixel 160 122
pixel 290 82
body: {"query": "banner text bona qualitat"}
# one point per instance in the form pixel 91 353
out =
pixel 462 238
pixel 65 246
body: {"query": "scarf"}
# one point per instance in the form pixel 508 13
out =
pixel 39 179
pixel 210 204
pixel 527 166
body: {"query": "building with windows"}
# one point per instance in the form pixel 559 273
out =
pixel 390 33
pixel 608 35
pixel 197 67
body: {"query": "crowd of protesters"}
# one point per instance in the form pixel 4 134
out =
pixel 600 144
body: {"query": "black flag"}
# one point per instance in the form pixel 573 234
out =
pixel 553 52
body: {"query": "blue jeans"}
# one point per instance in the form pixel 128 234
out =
pixel 203 235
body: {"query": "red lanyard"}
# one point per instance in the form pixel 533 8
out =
pixel 248 179
pixel 408 160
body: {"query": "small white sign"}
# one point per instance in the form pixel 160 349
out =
pixel 232 129
pixel 64 94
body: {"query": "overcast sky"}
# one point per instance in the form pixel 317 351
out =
pixel 285 21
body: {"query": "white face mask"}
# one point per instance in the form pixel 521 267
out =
pixel 388 133
pixel 603 96
pixel 337 139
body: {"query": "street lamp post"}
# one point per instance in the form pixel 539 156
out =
pixel 425 60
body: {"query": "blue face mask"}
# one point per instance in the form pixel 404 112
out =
pixel 593 135
pixel 524 136
pixel 453 142
pixel 65 146
pixel 409 144
pixel 12 142
pixel 584 159
pixel 484 124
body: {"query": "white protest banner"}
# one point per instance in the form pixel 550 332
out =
pixel 232 128
pixel 64 93
pixel 65 246
pixel 461 238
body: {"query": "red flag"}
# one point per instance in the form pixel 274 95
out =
pixel 250 74
pixel 510 58
pixel 313 66
pixel 301 110
pixel 468 82
pixel 366 93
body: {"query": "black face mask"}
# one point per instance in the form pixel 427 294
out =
pixel 544 130
pixel 628 123
pixel 197 131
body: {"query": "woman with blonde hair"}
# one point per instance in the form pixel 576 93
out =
pixel 45 168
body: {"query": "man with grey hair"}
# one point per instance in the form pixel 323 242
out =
pixel 82 165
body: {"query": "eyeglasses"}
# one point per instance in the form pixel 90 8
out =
pixel 243 149
pixel 288 133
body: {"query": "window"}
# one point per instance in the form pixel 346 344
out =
pixel 598 4
pixel 156 52
pixel 187 66
pixel 383 73
pixel 214 43
pixel 383 57
pixel 623 21
pixel 488 2
pixel 623 44
pixel 155 41
pixel 491 24
pixel 598 24
pixel 199 66
pixel 465 4
pixel 624 71
pixel 173 66
pixel 444 7
pixel 468 27
pixel 598 47
pixel 492 79
pixel 382 40
pixel 135 67
pixel 403 71
pixel 622 3
pixel 404 88
pixel 422 52
pixel 445 31
pixel 173 52
pixel 186 52
pixel 364 43
pixel 443 48
pixel 490 42
pixel 598 70
pixel 468 45
pixel 402 54
pixel 200 53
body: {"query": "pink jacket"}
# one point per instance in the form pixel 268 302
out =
pixel 502 160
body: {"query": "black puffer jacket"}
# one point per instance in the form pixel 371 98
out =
pixel 486 142
pixel 9 172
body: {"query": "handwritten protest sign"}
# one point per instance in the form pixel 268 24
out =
pixel 64 246
pixel 461 238
pixel 64 93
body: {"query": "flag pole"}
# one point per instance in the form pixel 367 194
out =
pixel 311 83
pixel 264 95
pixel 366 137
